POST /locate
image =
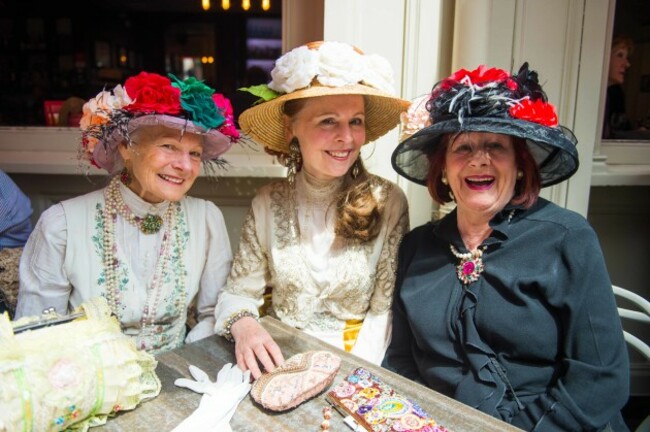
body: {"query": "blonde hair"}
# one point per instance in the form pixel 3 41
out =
pixel 358 213
pixel 623 41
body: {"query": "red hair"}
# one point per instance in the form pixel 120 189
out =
pixel 526 189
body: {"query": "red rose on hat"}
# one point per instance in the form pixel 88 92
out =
pixel 152 93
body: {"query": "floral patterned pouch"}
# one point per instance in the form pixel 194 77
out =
pixel 377 407
pixel 71 375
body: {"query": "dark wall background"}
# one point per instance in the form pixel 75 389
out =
pixel 54 50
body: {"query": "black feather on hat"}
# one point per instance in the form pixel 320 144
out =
pixel 490 100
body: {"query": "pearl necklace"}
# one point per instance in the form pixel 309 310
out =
pixel 114 202
pixel 150 224
pixel 470 266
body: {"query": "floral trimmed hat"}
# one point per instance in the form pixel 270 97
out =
pixel 323 69
pixel 487 100
pixel 149 99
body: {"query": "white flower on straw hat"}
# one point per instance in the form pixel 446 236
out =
pixel 332 64
pixel 378 73
pixel 340 65
pixel 294 70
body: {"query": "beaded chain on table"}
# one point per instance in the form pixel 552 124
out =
pixel 115 205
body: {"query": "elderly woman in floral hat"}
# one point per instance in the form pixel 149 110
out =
pixel 323 240
pixel 140 242
pixel 504 304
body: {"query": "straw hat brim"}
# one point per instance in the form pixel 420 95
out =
pixel 553 148
pixel 264 122
pixel 215 143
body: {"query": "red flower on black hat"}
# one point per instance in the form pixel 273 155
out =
pixel 480 76
pixel 536 111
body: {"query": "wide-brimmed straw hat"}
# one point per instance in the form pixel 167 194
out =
pixel 149 99
pixel 487 100
pixel 323 69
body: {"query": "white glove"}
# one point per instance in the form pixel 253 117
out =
pixel 219 401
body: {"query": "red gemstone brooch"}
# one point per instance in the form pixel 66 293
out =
pixel 471 265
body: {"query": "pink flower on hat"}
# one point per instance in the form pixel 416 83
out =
pixel 228 127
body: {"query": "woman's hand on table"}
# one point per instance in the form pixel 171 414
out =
pixel 254 346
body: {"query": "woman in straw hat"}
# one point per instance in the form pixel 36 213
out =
pixel 505 304
pixel 140 242
pixel 324 239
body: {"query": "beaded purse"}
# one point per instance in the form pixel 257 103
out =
pixel 68 372
pixel 377 407
pixel 298 379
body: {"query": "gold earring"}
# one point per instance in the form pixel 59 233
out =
pixel 444 180
pixel 520 175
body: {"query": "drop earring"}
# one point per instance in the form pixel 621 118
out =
pixel 444 180
pixel 355 170
pixel 294 160
pixel 520 175
pixel 125 177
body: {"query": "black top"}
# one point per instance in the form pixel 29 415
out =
pixel 542 311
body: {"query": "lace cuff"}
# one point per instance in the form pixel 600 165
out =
pixel 232 319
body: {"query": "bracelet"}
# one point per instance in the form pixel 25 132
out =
pixel 233 319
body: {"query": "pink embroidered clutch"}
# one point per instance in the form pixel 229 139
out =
pixel 298 379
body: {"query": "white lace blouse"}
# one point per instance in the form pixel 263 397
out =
pixel 318 281
pixel 62 265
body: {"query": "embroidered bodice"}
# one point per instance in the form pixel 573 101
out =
pixel 319 280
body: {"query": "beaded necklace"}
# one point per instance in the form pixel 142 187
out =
pixel 471 264
pixel 115 205
pixel 150 224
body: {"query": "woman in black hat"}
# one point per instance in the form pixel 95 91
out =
pixel 504 304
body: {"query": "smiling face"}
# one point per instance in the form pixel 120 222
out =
pixel 482 172
pixel 163 166
pixel 618 64
pixel 331 131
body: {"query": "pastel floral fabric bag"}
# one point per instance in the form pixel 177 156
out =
pixel 72 375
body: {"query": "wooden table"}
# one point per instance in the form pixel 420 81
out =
pixel 174 404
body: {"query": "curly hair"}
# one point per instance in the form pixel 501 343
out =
pixel 358 212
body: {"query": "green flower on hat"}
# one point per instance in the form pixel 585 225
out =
pixel 196 99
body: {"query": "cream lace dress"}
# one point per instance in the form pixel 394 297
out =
pixel 318 281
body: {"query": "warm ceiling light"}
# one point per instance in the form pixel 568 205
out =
pixel 205 4
pixel 266 4
pixel 245 4
pixel 225 4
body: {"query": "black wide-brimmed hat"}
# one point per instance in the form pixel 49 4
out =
pixel 487 100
